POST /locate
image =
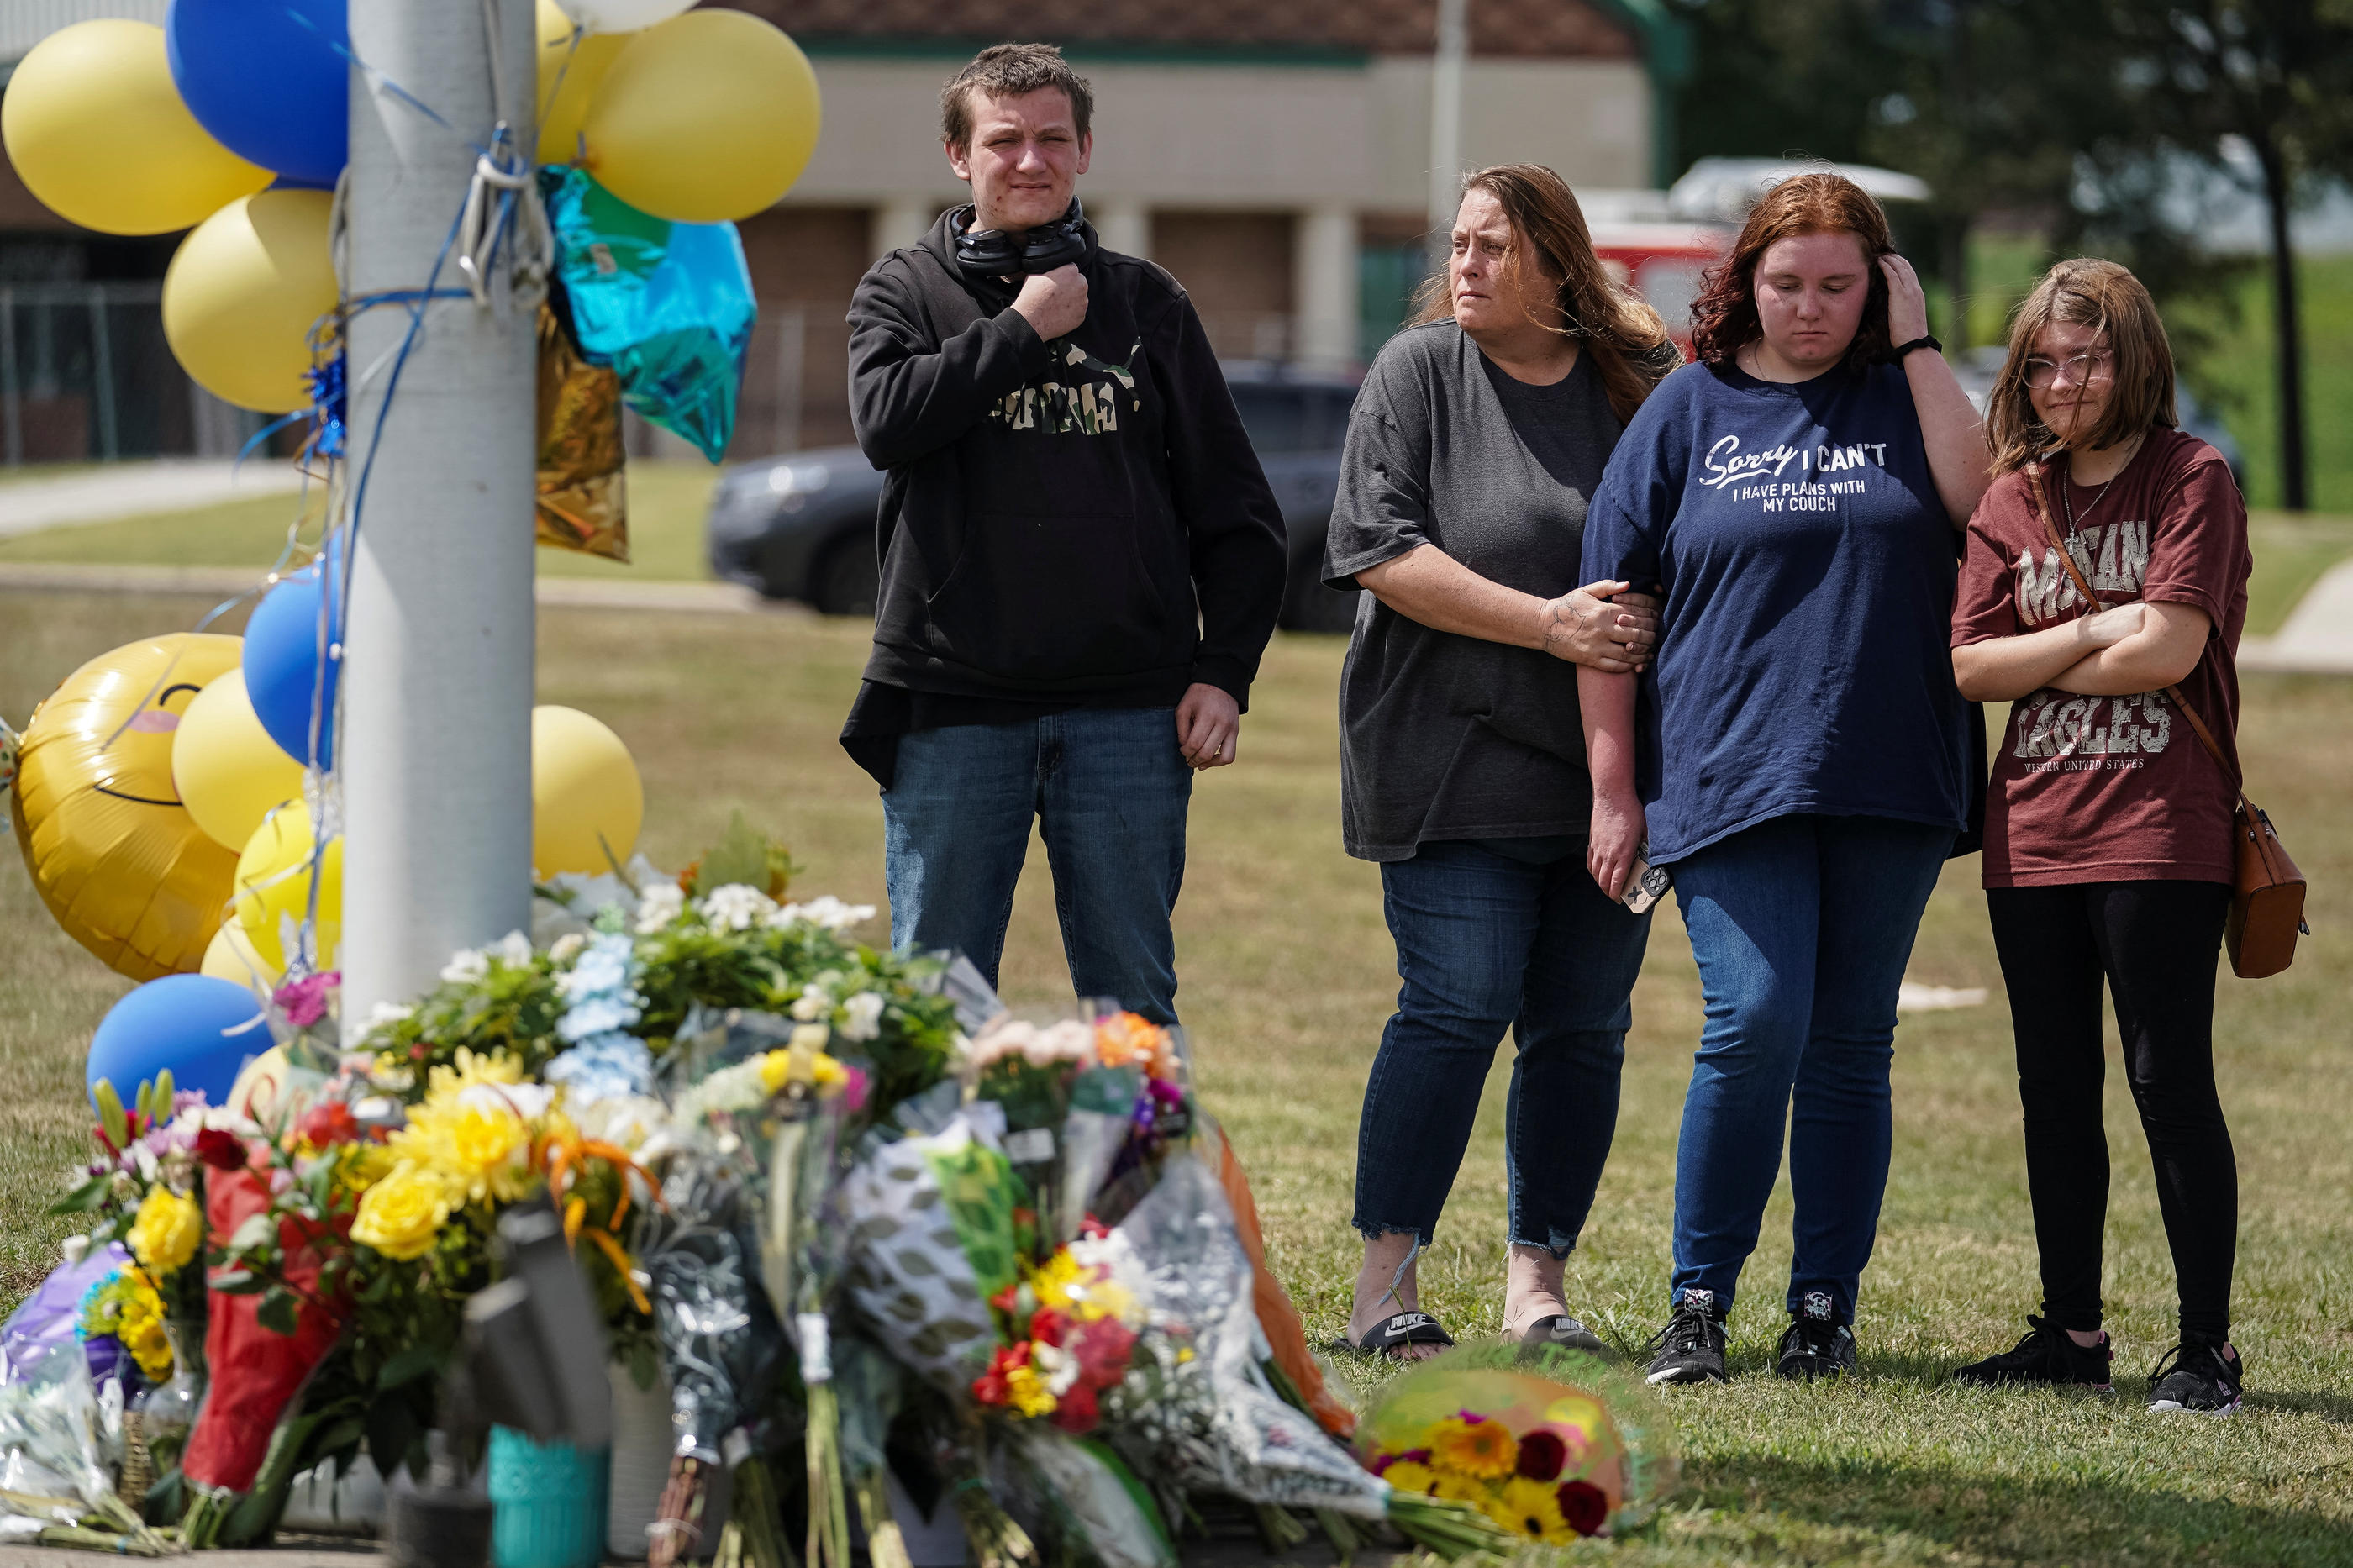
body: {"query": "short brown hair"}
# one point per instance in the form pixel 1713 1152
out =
pixel 1013 70
pixel 1630 347
pixel 2085 292
pixel 1724 317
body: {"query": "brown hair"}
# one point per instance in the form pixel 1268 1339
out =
pixel 1013 70
pixel 1628 339
pixel 2083 293
pixel 1724 317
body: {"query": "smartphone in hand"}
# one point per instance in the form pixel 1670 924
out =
pixel 1645 884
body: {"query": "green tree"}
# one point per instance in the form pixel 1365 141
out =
pixel 2274 75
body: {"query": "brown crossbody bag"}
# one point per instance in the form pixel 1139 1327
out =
pixel 2267 892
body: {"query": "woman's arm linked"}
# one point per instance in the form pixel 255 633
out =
pixel 1605 703
pixel 1599 626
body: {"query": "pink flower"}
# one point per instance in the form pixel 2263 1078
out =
pixel 853 1089
pixel 305 1001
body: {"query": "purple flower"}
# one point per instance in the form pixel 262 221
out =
pixel 305 1000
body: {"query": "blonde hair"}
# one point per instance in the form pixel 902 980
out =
pixel 2085 292
pixel 1626 335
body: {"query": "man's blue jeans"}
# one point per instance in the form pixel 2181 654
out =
pixel 1108 789
pixel 1802 926
pixel 1488 940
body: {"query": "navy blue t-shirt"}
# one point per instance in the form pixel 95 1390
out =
pixel 1807 566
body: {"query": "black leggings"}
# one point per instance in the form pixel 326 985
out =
pixel 2155 945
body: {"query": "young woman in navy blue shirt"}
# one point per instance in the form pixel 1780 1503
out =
pixel 1796 755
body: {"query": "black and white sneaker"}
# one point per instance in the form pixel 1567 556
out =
pixel 1818 1344
pixel 2046 1356
pixel 1690 1349
pixel 2199 1376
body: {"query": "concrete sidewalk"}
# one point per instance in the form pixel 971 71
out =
pixel 134 490
pixel 228 582
pixel 2317 636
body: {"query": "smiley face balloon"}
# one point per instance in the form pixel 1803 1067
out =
pixel 117 857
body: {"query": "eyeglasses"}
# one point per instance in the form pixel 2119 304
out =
pixel 2081 370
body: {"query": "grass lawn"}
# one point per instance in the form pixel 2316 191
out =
pixel 667 501
pixel 1288 977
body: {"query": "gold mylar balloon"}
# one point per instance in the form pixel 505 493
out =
pixel 706 117
pixel 242 293
pixel 99 134
pixel 115 856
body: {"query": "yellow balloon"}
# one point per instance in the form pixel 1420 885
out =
pixel 568 77
pixel 98 132
pixel 114 855
pixel 707 118
pixel 231 958
pixel 242 294
pixel 273 887
pixel 227 769
pixel 586 801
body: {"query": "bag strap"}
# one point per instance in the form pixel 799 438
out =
pixel 2091 606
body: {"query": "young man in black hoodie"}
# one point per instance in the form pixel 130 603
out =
pixel 1081 559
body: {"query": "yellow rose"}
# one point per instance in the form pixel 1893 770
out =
pixel 402 1215
pixel 363 1165
pixel 168 1231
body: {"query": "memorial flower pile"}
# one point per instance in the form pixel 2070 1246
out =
pixel 860 1216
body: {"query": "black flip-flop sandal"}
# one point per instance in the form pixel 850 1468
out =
pixel 1562 1331
pixel 1394 1333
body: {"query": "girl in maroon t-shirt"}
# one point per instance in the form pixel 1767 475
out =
pixel 2107 853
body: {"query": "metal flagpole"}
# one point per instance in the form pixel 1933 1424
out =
pixel 434 741
pixel 1446 113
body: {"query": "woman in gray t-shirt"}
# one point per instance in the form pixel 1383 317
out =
pixel 1479 434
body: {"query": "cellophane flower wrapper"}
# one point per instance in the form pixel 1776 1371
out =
pixel 931 1239
pixel 52 1449
pixel 1552 1445
pixel 721 1341
pixel 1196 1409
pixel 1088 1491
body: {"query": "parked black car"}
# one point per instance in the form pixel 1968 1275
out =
pixel 802 526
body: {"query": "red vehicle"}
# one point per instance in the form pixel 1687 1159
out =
pixel 1663 262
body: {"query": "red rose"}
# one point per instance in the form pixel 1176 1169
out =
pixel 1103 1348
pixel 1075 1411
pixel 330 1121
pixel 1047 1326
pixel 1541 1454
pixel 1584 1505
pixel 221 1149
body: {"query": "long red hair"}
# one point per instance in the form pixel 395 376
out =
pixel 1724 317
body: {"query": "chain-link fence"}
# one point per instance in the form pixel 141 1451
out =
pixel 86 376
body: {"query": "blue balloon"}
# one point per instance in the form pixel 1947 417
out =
pixel 269 79
pixel 281 661
pixel 204 1029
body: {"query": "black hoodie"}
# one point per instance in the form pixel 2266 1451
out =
pixel 1080 522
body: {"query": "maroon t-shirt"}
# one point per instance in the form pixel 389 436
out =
pixel 2113 789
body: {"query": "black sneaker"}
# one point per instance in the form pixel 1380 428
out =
pixel 2198 1376
pixel 1818 1344
pixel 2046 1356
pixel 1690 1349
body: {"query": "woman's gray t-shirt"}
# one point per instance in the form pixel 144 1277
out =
pixel 1445 736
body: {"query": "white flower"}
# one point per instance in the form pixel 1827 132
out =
pixel 529 1100
pixel 384 1015
pixel 512 949
pixel 811 1004
pixel 659 905
pixel 565 946
pixel 826 911
pixel 466 965
pixel 736 907
pixel 862 1016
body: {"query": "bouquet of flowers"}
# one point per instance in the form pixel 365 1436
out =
pixel 1552 1448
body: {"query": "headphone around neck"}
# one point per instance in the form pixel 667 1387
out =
pixel 984 253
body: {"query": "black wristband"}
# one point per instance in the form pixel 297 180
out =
pixel 1900 350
